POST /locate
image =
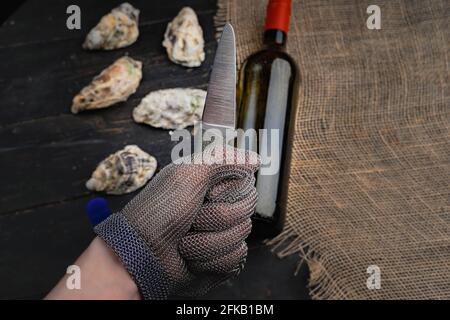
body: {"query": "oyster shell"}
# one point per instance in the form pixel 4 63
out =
pixel 171 108
pixel 183 39
pixel 122 172
pixel 117 29
pixel 114 84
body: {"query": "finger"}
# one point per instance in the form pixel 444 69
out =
pixel 225 154
pixel 230 263
pixel 222 215
pixel 249 159
pixel 232 190
pixel 204 246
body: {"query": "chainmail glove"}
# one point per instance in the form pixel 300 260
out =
pixel 185 232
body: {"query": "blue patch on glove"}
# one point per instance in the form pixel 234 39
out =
pixel 97 210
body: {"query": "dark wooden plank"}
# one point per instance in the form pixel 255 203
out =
pixel 48 18
pixel 51 157
pixel 53 150
pixel 49 160
pixel 10 9
pixel 47 153
pixel 43 84
pixel 38 245
pixel 266 277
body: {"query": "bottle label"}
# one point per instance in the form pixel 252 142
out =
pixel 271 143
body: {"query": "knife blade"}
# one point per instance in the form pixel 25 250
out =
pixel 220 105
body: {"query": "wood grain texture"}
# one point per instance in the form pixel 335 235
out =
pixel 47 154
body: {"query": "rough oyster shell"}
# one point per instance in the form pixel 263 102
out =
pixel 117 29
pixel 122 172
pixel 114 84
pixel 183 39
pixel 171 108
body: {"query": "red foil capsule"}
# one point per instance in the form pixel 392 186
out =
pixel 278 14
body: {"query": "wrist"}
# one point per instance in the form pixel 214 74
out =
pixel 113 277
pixel 102 277
pixel 135 255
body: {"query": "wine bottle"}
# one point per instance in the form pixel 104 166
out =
pixel 266 99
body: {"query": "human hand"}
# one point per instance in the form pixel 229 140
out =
pixel 185 232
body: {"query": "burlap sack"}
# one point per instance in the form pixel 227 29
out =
pixel 371 161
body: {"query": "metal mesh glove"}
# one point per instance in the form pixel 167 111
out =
pixel 185 232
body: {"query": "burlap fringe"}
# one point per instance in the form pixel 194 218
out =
pixel 320 285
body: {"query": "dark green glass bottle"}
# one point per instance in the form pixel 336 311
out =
pixel 266 93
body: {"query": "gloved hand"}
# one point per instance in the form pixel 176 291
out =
pixel 185 232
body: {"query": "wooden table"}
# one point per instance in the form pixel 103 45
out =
pixel 47 154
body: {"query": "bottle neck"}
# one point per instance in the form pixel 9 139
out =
pixel 275 39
